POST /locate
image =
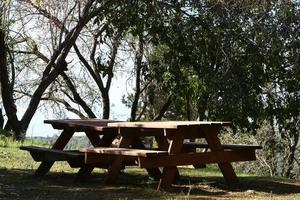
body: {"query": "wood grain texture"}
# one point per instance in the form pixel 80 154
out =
pixel 167 124
pixel 211 136
pixel 182 159
pixel 123 151
pixel 224 146
pixel 60 144
pixel 80 124
pixel 170 174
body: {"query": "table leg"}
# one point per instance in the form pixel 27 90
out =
pixel 60 143
pixel 117 164
pixel 163 145
pixel 211 136
pixel 170 173
pixel 105 141
pixel 153 172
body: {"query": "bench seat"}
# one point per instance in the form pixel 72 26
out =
pixel 74 158
pixel 92 155
pixel 124 151
pixel 225 146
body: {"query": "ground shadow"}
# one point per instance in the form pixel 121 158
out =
pixel 255 184
pixel 20 183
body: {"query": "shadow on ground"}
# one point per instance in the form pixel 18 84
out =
pixel 218 186
pixel 21 184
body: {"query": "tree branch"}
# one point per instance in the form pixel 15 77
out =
pixel 163 109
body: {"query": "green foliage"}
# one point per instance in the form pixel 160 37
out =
pixel 225 60
pixel 4 133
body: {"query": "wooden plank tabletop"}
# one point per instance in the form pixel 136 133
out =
pixel 84 124
pixel 167 124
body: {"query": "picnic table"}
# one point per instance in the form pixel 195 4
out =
pixel 172 150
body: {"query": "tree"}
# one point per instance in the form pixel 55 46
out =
pixel 56 66
pixel 233 61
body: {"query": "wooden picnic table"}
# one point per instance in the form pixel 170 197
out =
pixel 172 150
pixel 96 131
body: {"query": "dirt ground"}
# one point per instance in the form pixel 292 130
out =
pixel 21 184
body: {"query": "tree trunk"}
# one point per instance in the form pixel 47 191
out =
pixel 163 109
pixel 138 68
pixel 1 119
pixel 77 97
pixel 188 107
pixel 7 90
pixel 106 105
pixel 202 107
pixel 291 156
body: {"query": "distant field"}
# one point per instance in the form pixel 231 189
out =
pixel 17 182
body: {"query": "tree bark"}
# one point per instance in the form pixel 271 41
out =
pixel 7 90
pixel 138 68
pixel 1 119
pixel 105 105
pixel 188 107
pixel 163 109
pixel 291 157
pixel 77 97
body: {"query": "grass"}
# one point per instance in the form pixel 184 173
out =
pixel 17 182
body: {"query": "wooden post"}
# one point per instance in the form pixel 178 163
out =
pixel 211 136
pixel 108 136
pixel 117 165
pixel 60 144
pixel 170 173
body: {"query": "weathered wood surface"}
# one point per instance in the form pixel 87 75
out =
pixel 182 159
pixel 93 128
pixel 123 151
pixel 224 146
pixel 51 155
pixel 80 124
pixel 166 124
pixel 170 174
pixel 211 136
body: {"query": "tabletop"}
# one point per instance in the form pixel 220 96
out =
pixel 80 124
pixel 167 124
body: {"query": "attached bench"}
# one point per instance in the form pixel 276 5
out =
pixel 107 153
pixel 194 145
pixel 74 158
pixel 155 158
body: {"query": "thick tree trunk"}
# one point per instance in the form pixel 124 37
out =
pixel 7 91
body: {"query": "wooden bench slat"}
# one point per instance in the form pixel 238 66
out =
pixel 44 149
pixel 123 151
pixel 46 154
pixel 197 158
pixel 225 146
